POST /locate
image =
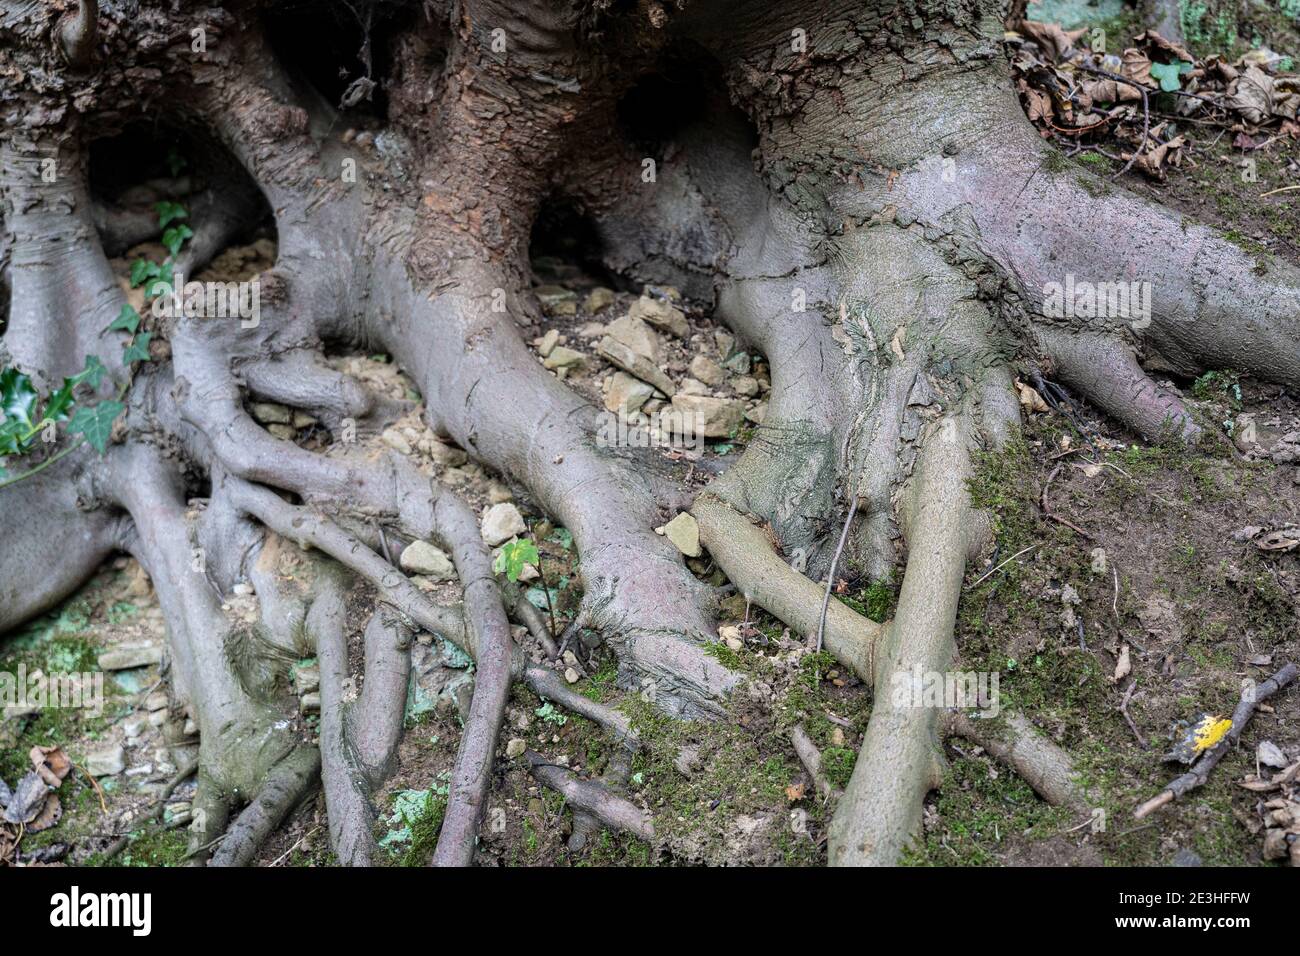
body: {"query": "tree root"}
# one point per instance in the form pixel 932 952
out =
pixel 1017 744
pixel 745 555
pixel 592 797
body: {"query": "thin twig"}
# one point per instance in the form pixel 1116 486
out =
pixel 1146 128
pixel 830 575
pixel 1000 566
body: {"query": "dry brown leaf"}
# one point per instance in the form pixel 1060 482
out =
pixel 1155 41
pixel 795 791
pixel 51 763
pixel 1123 666
pixel 1051 39
pixel 1030 400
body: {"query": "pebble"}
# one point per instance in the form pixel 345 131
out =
pixel 515 748
pixel 396 441
pixel 107 762
pixel 420 557
pixel 126 656
pixel 684 533
pixel 501 522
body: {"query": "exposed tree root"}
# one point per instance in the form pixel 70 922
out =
pixel 1015 742
pixel 592 797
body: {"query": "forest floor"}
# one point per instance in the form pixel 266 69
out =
pixel 1107 547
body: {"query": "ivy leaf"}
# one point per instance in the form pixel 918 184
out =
pixel 514 556
pixel 17 397
pixel 12 435
pixel 175 161
pixel 175 237
pixel 60 400
pixel 96 423
pixel 1168 74
pixel 141 270
pixel 138 350
pixel 169 211
pixel 128 320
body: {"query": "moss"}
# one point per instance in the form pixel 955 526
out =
pixel 980 808
pixel 837 765
pixel 424 831
pixel 152 846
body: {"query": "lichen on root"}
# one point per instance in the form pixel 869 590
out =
pixel 869 209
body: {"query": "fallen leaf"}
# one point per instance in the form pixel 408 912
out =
pixel 795 791
pixel 1030 400
pixel 51 763
pixel 28 799
pixel 1053 41
pixel 1123 666
pixel 1286 539
pixel 49 816
pixel 1270 755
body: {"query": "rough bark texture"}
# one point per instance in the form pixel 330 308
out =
pixel 880 173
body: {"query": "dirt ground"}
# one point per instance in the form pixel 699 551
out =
pixel 1107 547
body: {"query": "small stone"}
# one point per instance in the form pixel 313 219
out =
pixel 501 523
pixel 446 455
pixel 629 361
pixel 692 386
pixel 546 344
pixel 837 737
pixel 242 589
pixel 499 493
pixel 107 762
pixel 310 703
pixel 687 761
pixel 420 557
pixel 134 727
pixel 714 417
pixel 591 330
pixel 191 729
pixel 282 432
pixel 746 386
pixel 306 678
pixel 738 363
pixel 730 635
pixel 638 336
pixel 684 533
pixel 396 441
pixel 516 747
pixel 725 342
pixel 627 393
pixel 158 718
pixel 707 371
pixel 757 413
pixel 303 420
pixel 563 357
pixel 126 656
pixel 557 300
pixel 661 314
pixel 598 298
pixel 571 675
pixel 156 701
pixel 270 413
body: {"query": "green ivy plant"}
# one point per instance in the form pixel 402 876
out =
pixel 22 416
pixel 514 556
